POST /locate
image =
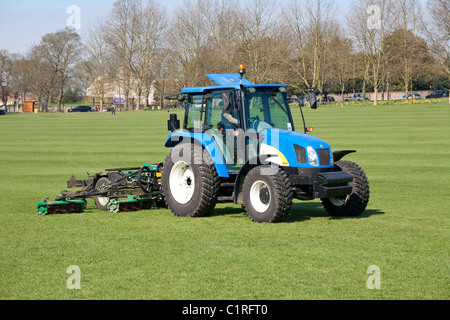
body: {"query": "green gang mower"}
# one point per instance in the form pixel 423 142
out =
pixel 116 190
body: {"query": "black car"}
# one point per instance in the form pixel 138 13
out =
pixel 81 109
pixel 438 94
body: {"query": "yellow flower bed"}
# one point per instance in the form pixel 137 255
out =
pixel 380 102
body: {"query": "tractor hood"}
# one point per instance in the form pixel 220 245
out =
pixel 294 149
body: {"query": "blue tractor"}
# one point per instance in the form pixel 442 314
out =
pixel 238 144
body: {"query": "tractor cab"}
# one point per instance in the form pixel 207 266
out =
pixel 234 104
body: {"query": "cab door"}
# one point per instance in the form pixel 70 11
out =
pixel 224 126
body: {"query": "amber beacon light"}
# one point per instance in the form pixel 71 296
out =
pixel 242 69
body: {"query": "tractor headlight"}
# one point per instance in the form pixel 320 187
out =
pixel 312 157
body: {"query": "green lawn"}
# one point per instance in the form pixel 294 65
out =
pixel 404 149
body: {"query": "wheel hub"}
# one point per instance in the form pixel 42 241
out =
pixel 260 196
pixel 182 182
pixel 338 202
pixel 264 195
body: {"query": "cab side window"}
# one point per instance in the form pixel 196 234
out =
pixel 214 107
pixel 194 107
pixel 214 110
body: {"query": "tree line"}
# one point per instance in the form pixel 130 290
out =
pixel 377 46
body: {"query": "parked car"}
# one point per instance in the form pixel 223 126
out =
pixel 303 99
pixel 329 99
pixel 438 94
pixel 356 97
pixel 299 100
pixel 416 96
pixel 81 109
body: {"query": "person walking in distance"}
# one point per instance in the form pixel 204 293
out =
pixel 113 110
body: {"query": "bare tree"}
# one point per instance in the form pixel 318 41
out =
pixel 41 76
pixel 408 12
pixel 5 76
pixel 136 33
pixel 342 60
pixel 436 28
pixel 262 43
pixel 61 50
pixel 370 21
pixel 20 77
pixel 310 25
pixel 408 58
pixel 97 63
pixel 221 20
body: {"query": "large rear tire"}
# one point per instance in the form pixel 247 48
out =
pixel 355 203
pixel 190 181
pixel 267 194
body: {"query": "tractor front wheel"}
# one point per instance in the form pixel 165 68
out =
pixel 355 203
pixel 267 194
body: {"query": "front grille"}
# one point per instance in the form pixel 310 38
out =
pixel 300 153
pixel 324 156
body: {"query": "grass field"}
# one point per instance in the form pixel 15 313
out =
pixel 404 149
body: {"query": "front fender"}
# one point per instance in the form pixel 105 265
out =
pixel 338 155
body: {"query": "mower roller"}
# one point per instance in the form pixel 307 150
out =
pixel 45 207
pixel 131 204
pixel 116 190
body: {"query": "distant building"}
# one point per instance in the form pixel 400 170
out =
pixel 11 101
pixel 113 90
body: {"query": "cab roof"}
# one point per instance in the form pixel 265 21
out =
pixel 228 81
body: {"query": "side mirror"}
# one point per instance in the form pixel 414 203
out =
pixel 312 99
pixel 228 102
pixel 178 97
pixel 173 124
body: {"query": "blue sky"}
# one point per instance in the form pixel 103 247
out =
pixel 24 22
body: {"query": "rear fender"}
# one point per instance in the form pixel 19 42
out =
pixel 207 142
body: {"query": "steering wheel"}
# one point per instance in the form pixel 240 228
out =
pixel 229 125
pixel 254 122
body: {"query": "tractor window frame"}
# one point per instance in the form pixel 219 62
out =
pixel 188 109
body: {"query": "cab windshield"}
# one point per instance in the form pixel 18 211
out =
pixel 267 108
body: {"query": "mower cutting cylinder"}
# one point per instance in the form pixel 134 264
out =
pixel 60 207
pixel 129 205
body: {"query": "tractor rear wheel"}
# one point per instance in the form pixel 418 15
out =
pixel 101 202
pixel 190 181
pixel 355 203
pixel 267 194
